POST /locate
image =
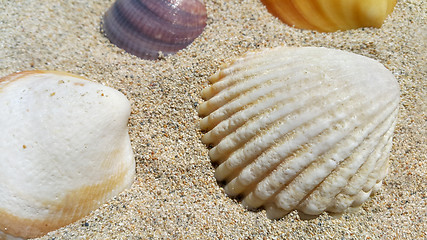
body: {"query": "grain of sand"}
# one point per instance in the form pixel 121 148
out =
pixel 175 195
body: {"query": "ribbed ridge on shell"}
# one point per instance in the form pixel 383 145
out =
pixel 300 128
pixel 331 15
pixel 145 27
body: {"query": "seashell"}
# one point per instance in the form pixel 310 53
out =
pixel 64 148
pixel 331 15
pixel 305 129
pixel 146 27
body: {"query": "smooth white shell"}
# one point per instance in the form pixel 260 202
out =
pixel 64 150
pixel 301 128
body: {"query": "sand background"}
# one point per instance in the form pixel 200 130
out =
pixel 175 194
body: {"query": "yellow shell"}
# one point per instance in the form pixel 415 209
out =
pixel 331 15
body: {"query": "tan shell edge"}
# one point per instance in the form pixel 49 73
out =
pixel 12 225
pixel 18 75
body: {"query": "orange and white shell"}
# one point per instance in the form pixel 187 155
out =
pixel 331 15
pixel 307 129
pixel 64 150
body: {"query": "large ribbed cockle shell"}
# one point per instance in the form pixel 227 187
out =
pixel 64 150
pixel 307 129
pixel 147 27
pixel 331 15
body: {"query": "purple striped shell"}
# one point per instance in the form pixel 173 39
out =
pixel 146 27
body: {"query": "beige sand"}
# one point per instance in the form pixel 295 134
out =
pixel 175 194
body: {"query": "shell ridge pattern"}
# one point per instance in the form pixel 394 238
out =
pixel 228 161
pixel 258 121
pixel 309 132
pixel 284 197
pixel 267 102
pixel 378 168
pixel 343 200
pixel 356 161
pixel 238 79
pixel 238 83
pixel 357 181
pixel 243 66
pixel 353 172
pixel 242 70
pixel 275 128
pixel 280 111
pixel 249 98
pixel 247 172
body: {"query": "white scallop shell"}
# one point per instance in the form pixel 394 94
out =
pixel 64 150
pixel 301 128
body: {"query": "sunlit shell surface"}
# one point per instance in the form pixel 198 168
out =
pixel 64 150
pixel 301 128
pixel 331 15
pixel 146 27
